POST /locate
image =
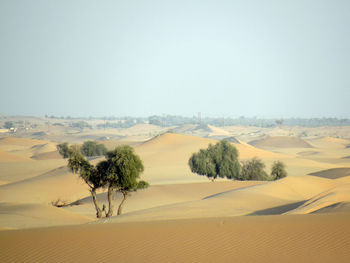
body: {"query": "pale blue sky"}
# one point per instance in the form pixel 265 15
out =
pixel 138 58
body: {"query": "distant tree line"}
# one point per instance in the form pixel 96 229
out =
pixel 177 120
pixel 221 160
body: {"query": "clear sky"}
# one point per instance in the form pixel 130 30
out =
pixel 138 58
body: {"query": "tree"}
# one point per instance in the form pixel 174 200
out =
pixel 122 170
pixel 253 170
pixel 219 160
pixel 279 121
pixel 8 125
pixel 63 149
pixel 92 148
pixel 278 170
pixel 89 173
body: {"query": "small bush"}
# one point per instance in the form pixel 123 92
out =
pixel 91 148
pixel 253 170
pixel 278 170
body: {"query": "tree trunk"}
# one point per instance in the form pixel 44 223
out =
pixel 120 208
pixel 94 199
pixel 110 201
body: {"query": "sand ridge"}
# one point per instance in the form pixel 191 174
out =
pixel 280 142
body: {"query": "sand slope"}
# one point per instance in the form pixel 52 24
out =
pixel 333 173
pixel 160 195
pixel 294 238
pixel 36 215
pixel 280 142
pixel 166 157
pixel 238 202
pixel 56 184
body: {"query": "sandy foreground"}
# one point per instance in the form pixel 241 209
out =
pixel 294 238
pixel 181 217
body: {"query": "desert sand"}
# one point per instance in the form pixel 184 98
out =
pixel 181 217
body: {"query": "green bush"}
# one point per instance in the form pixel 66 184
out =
pixel 278 170
pixel 253 170
pixel 92 148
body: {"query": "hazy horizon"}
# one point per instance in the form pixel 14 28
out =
pixel 267 59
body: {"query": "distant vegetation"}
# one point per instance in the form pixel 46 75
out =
pixel 92 148
pixel 8 125
pixel 119 172
pixel 80 125
pixel 177 120
pixel 89 148
pixel 221 160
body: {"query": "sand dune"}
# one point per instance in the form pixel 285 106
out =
pixel 327 199
pixel 308 153
pixel 215 222
pixel 53 185
pixel 329 143
pixel 293 238
pixel 160 195
pixel 47 156
pixel 8 157
pixel 14 215
pixel 142 128
pixel 19 141
pixel 17 171
pixel 239 202
pixel 43 148
pixel 333 173
pixel 166 157
pixel 280 142
pixel 23 148
pixel 215 131
pixel 203 130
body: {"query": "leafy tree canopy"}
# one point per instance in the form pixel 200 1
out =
pixel 253 170
pixel 219 160
pixel 278 170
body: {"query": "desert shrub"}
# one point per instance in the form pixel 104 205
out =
pixel 278 170
pixel 253 170
pixel 219 160
pixel 91 148
pixel 80 125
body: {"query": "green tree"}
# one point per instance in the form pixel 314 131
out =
pixel 63 149
pixel 278 170
pixel 219 160
pixel 88 172
pixel 253 170
pixel 92 148
pixel 122 170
